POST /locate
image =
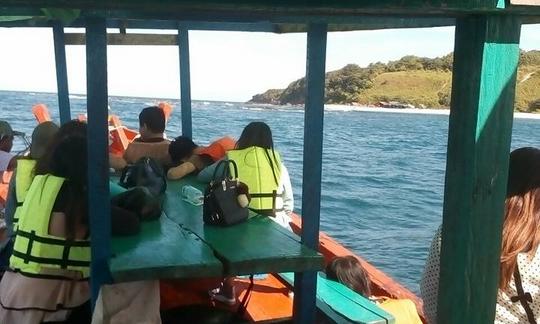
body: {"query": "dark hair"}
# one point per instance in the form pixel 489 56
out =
pixel 71 128
pixel 154 119
pixel 348 271
pixel 181 148
pixel 69 161
pixel 256 134
pixel 66 157
pixel 522 211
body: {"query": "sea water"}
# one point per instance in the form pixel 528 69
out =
pixel 383 173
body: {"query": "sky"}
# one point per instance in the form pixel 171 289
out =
pixel 226 66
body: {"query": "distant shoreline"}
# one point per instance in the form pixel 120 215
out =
pixel 427 111
pixel 346 108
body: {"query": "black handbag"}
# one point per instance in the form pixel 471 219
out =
pixel 221 205
pixel 146 172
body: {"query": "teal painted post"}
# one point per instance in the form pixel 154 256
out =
pixel 185 81
pixel 305 284
pixel 61 72
pixel 485 65
pixel 98 159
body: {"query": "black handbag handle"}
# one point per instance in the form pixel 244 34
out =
pixel 226 173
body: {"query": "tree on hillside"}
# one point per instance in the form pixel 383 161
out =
pixel 345 86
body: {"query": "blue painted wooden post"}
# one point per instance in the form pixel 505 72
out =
pixel 305 284
pixel 61 72
pixel 485 67
pixel 98 162
pixel 185 81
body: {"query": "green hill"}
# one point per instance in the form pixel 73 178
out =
pixel 418 81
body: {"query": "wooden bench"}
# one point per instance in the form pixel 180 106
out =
pixel 343 305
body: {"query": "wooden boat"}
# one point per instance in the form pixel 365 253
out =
pixel 486 55
pixel 271 300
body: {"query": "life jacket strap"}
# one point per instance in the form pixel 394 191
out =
pixel 64 262
pixel 265 195
pixel 523 297
pixel 46 276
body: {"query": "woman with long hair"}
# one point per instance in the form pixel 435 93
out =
pixel 519 271
pixel 260 167
pixel 44 282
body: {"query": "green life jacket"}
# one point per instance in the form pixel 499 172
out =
pixel 23 179
pixel 36 253
pixel 260 170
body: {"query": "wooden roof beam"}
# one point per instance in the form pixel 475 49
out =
pixel 247 8
pixel 126 39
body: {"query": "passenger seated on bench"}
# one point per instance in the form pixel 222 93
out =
pixel 257 159
pixel 20 183
pixel 189 158
pixel 348 271
pixel 151 142
pixel 43 283
pixel 7 161
pixel 261 168
pixel 519 247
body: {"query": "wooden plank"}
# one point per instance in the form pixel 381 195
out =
pixel 342 304
pixel 162 250
pixel 61 73
pixel 273 6
pixel 185 81
pixel 98 148
pixel 275 24
pixel 256 246
pixel 306 283
pixel 126 39
pixel 485 66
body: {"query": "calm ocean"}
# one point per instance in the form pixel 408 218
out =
pixel 383 173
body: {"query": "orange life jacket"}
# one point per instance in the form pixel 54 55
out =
pixel 217 149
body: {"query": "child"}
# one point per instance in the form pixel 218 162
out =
pixel 348 271
pixel 190 158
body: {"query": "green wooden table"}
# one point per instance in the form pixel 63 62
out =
pixel 179 245
pixel 256 246
pixel 162 250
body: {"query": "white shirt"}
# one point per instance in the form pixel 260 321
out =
pixel 5 157
pixel 507 312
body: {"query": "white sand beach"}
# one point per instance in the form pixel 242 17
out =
pixel 411 110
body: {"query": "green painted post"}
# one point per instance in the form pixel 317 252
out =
pixel 61 72
pixel 485 65
pixel 305 284
pixel 185 81
pixel 99 208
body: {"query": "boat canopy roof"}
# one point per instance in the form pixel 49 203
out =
pixel 278 16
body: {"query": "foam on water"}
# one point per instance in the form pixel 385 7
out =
pixel 383 173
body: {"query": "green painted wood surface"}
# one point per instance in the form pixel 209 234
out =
pixel 266 10
pixel 256 246
pixel 162 250
pixel 485 66
pixel 342 304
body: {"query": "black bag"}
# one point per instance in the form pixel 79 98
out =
pixel 139 200
pixel 146 172
pixel 220 199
